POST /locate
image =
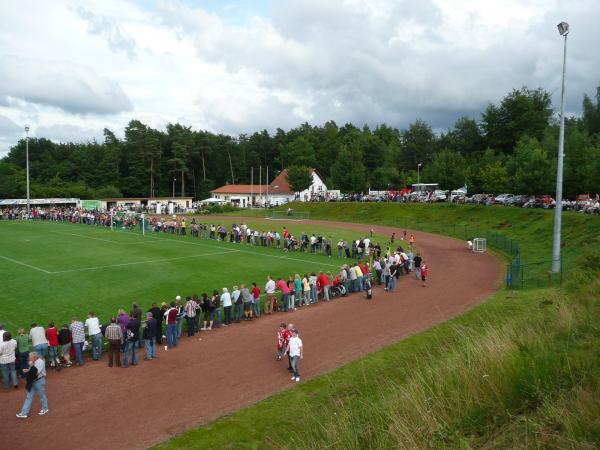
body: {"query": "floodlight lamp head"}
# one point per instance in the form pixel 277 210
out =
pixel 563 28
pixel 27 128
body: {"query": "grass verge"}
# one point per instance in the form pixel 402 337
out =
pixel 519 371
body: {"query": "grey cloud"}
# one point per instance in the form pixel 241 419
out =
pixel 10 133
pixel 72 88
pixel 395 61
pixel 118 40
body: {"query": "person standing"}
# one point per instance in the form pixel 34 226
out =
pixel 424 273
pixel 325 285
pixel 149 336
pixel 8 360
pixel 114 335
pixel 270 295
pixel 78 334
pixel 22 352
pixel 36 384
pixel 131 347
pixel 93 325
pixel 207 310
pixel 156 313
pixel 38 340
pixel 305 290
pixel 255 300
pixel 180 316
pixel 238 307
pixel 285 292
pixel 52 337
pixel 296 353
pixel 226 302
pixel 171 319
pixel 190 316
pixel 136 311
pixel 64 340
pixel 417 261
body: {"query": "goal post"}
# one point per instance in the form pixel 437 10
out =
pixel 479 245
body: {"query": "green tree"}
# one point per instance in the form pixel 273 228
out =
pixel 299 152
pixel 418 144
pixel 494 178
pixel 448 169
pixel 348 171
pixel 299 178
pixel 591 113
pixel 534 168
pixel 523 112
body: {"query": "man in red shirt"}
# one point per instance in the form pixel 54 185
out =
pixel 325 285
pixel 285 292
pixel 255 300
pixel 171 318
pixel 52 336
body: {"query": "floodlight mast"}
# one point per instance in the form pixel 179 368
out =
pixel 563 29
pixel 27 168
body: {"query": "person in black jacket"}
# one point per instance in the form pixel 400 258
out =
pixel 133 337
pixel 149 336
pixel 155 310
pixel 64 340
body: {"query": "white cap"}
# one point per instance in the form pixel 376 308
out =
pixel 178 297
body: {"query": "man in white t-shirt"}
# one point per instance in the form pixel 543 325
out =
pixel 295 351
pixel 93 326
pixel 226 303
pixel 270 293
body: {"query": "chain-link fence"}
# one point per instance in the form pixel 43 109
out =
pixel 532 275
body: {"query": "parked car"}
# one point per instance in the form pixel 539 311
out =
pixel 504 199
pixel 438 196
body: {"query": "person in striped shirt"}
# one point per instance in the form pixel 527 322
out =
pixel 114 335
pixel 78 335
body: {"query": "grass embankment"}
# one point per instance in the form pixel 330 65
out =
pixel 519 371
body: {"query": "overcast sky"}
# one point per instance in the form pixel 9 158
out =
pixel 70 68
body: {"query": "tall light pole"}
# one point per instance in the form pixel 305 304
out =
pixel 174 180
pixel 27 167
pixel 419 173
pixel 563 29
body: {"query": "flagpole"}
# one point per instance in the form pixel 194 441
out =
pixel 251 186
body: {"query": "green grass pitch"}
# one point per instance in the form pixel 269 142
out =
pixel 53 271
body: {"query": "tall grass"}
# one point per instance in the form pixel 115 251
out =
pixel 486 386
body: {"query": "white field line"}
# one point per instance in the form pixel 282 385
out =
pixel 25 264
pixel 97 238
pixel 82 269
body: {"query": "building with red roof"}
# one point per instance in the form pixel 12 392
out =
pixel 278 192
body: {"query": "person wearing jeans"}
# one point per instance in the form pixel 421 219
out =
pixel 180 316
pixel 171 319
pixel 149 336
pixel 7 361
pixel 36 384
pixel 295 352
pixel 38 340
pixel 226 302
pixel 93 325
pixel 133 336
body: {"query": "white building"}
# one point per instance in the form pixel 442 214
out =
pixel 276 193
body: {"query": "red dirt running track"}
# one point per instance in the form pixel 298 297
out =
pixel 217 372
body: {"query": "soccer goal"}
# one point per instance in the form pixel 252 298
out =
pixel 479 245
pixel 289 214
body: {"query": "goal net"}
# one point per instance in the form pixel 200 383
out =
pixel 479 245
pixel 130 221
pixel 288 214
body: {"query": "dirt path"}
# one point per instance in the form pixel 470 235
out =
pixel 94 407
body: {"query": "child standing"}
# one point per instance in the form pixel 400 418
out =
pixel 295 352
pixel 282 340
pixel 424 273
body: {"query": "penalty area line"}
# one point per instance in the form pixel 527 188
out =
pixel 25 264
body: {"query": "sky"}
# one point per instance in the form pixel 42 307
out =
pixel 71 68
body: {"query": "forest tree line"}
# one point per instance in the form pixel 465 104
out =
pixel 511 147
